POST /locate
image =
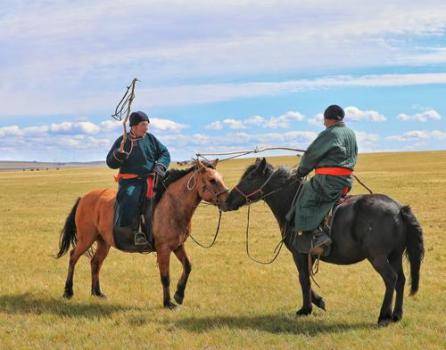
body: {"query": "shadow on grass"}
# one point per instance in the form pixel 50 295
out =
pixel 28 303
pixel 270 323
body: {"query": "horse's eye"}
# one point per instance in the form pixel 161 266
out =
pixel 212 181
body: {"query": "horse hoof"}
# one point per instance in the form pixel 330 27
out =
pixel 303 312
pixel 320 304
pixel 99 295
pixel 169 305
pixel 178 298
pixel 68 295
pixel 384 322
pixel 397 316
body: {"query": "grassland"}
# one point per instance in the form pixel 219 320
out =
pixel 230 301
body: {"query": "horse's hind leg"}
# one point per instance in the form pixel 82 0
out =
pixel 163 255
pixel 180 253
pixel 397 264
pixel 382 266
pixel 81 247
pixel 102 250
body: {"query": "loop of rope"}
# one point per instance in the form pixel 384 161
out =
pixel 215 236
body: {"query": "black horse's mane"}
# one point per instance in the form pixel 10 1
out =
pixel 281 175
pixel 174 175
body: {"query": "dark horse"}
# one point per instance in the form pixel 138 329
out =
pixel 91 220
pixel 372 227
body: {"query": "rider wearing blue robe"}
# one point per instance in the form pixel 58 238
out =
pixel 142 156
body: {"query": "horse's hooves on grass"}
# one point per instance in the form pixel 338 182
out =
pixel 320 304
pixel 169 305
pixel 178 298
pixel 303 312
pixel 99 295
pixel 396 317
pixel 67 295
pixel 384 322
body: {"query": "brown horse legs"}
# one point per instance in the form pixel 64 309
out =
pixel 96 263
pixel 75 254
pixel 163 263
pixel 180 253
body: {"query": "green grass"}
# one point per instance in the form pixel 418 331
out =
pixel 231 302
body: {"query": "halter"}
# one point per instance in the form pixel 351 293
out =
pixel 247 197
pixel 190 185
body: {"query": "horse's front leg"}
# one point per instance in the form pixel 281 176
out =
pixel 316 299
pixel 163 256
pixel 304 279
pixel 180 253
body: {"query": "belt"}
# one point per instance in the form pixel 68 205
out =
pixel 336 171
pixel 150 182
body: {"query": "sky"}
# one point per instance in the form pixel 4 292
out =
pixel 218 76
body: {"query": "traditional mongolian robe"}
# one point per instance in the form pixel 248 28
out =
pixel 335 151
pixel 143 152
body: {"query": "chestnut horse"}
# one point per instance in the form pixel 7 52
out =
pixel 91 220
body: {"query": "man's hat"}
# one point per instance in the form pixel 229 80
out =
pixel 138 117
pixel 334 112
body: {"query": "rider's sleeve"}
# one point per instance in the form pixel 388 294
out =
pixel 112 160
pixel 163 156
pixel 315 152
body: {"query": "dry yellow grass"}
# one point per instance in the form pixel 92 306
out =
pixel 230 301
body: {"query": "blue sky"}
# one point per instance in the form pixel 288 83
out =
pixel 220 75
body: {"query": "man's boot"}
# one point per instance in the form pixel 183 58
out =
pixel 321 243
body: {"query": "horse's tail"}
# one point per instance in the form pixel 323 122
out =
pixel 415 246
pixel 68 233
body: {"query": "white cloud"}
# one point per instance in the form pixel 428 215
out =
pixel 317 120
pixel 166 125
pixel 417 135
pixel 353 113
pixel 282 121
pixel 425 116
pixel 217 125
pixel 234 124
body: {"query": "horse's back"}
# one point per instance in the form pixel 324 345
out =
pixel 366 225
pixel 95 213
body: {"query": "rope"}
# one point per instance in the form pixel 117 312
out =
pixel 277 249
pixel 215 236
pixel 237 154
pixel 362 184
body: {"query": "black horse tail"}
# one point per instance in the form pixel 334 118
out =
pixel 415 246
pixel 68 233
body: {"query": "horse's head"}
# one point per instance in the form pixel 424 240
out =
pixel 210 185
pixel 251 185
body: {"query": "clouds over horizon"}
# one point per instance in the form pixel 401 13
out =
pixel 184 141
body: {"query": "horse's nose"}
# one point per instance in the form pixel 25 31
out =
pixel 223 206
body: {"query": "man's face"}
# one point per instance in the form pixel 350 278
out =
pixel 140 129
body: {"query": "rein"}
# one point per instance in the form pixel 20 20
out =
pixel 284 231
pixel 190 186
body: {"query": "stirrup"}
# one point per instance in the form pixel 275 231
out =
pixel 140 239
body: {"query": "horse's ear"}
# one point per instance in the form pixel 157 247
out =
pixel 261 165
pixel 200 166
pixel 214 163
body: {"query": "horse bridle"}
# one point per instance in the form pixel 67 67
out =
pixel 248 196
pixel 205 188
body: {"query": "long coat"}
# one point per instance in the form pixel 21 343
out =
pixel 334 147
pixel 143 152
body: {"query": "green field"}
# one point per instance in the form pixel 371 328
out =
pixel 230 302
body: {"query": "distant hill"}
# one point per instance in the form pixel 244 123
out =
pixel 6 165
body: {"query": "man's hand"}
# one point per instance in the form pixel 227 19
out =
pixel 120 156
pixel 160 170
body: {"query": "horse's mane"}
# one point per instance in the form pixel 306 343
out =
pixel 174 175
pixel 281 176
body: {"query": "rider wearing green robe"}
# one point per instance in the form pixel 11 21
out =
pixel 143 155
pixel 333 155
